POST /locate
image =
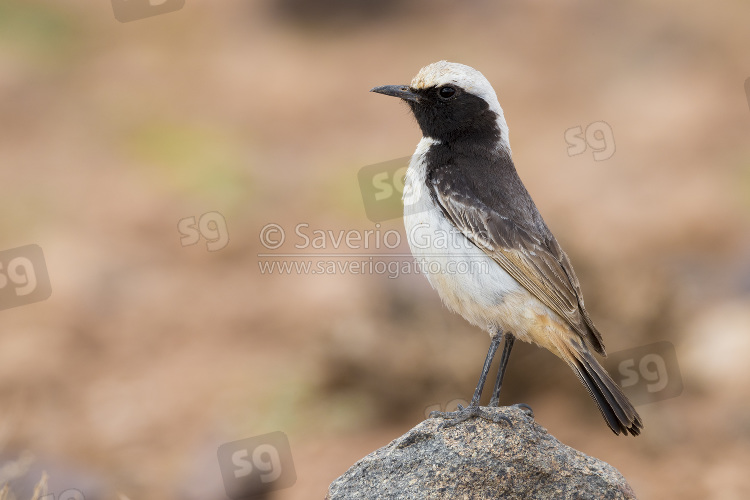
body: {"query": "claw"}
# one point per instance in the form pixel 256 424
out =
pixel 526 408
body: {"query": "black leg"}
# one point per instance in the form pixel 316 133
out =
pixel 509 339
pixel 474 410
pixel 486 369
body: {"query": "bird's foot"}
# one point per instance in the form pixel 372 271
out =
pixel 462 414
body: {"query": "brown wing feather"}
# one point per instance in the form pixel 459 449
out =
pixel 540 266
pixel 562 257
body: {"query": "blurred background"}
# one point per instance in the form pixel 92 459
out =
pixel 154 349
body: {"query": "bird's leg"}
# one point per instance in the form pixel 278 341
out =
pixel 485 369
pixel 509 339
pixel 474 410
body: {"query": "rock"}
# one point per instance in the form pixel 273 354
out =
pixel 480 459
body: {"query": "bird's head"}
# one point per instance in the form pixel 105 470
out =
pixel 453 102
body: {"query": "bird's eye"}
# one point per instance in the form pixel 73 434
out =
pixel 446 92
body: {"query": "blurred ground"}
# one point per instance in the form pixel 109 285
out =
pixel 149 355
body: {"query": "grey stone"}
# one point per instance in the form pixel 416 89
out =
pixel 480 459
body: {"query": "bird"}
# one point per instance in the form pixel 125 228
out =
pixel 466 208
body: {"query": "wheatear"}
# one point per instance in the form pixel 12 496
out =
pixel 462 190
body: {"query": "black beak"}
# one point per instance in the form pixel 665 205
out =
pixel 400 91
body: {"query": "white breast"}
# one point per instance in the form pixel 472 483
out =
pixel 468 281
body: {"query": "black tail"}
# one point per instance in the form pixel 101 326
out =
pixel 614 406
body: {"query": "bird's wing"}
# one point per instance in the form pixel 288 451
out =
pixel 538 264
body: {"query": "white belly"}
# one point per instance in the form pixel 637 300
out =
pixel 469 281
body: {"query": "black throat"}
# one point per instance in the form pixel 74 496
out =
pixel 466 118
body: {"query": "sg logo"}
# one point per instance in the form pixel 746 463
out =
pixel 252 467
pixel 23 277
pixel 598 136
pixel 647 374
pixel 70 494
pixel 449 406
pixel 382 187
pixel 210 225
pixel 132 10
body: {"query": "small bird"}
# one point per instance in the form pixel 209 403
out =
pixel 467 209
